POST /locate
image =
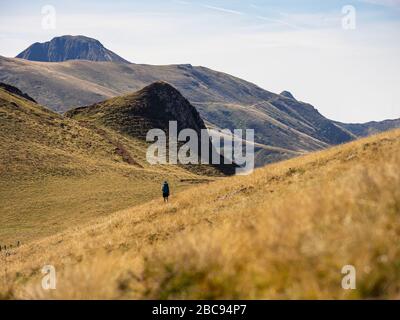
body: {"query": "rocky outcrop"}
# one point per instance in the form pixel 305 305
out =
pixel 287 94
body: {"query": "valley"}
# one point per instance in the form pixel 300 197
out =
pixel 56 172
pixel 79 194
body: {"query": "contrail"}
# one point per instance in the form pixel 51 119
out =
pixel 223 10
pixel 280 22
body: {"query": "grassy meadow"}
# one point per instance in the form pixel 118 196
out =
pixel 284 232
pixel 57 173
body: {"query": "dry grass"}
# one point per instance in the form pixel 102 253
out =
pixel 56 172
pixel 286 231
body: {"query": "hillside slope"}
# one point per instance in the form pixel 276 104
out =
pixel 55 171
pixel 152 107
pixel 284 232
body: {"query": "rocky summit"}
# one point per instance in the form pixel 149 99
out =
pixel 69 48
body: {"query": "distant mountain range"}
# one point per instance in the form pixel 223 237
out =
pixel 369 128
pixel 284 127
pixel 69 48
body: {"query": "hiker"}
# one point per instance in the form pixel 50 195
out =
pixel 165 191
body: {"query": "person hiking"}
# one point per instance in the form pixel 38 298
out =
pixel 165 191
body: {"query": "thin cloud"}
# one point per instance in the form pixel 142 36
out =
pixel 182 2
pixel 223 10
pixel 388 3
pixel 281 22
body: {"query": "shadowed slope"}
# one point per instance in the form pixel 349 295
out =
pixel 134 114
pixel 152 107
pixel 15 91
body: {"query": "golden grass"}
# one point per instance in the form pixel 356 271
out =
pixel 56 172
pixel 34 209
pixel 286 231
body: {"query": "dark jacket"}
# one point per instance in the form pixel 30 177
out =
pixel 165 189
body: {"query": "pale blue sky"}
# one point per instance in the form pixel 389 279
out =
pixel 298 45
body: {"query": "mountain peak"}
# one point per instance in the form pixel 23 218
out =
pixel 287 94
pixel 154 106
pixel 69 47
pixel 157 103
pixel 158 87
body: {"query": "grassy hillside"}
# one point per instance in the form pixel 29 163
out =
pixel 286 231
pixel 154 106
pixel 56 172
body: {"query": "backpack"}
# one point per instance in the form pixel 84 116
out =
pixel 165 188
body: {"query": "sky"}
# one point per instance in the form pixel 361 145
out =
pixel 340 56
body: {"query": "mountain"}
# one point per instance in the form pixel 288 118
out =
pixel 56 172
pixel 284 127
pixel 369 128
pixel 69 48
pixel 136 113
pixel 287 94
pixel 151 107
pixel 285 232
